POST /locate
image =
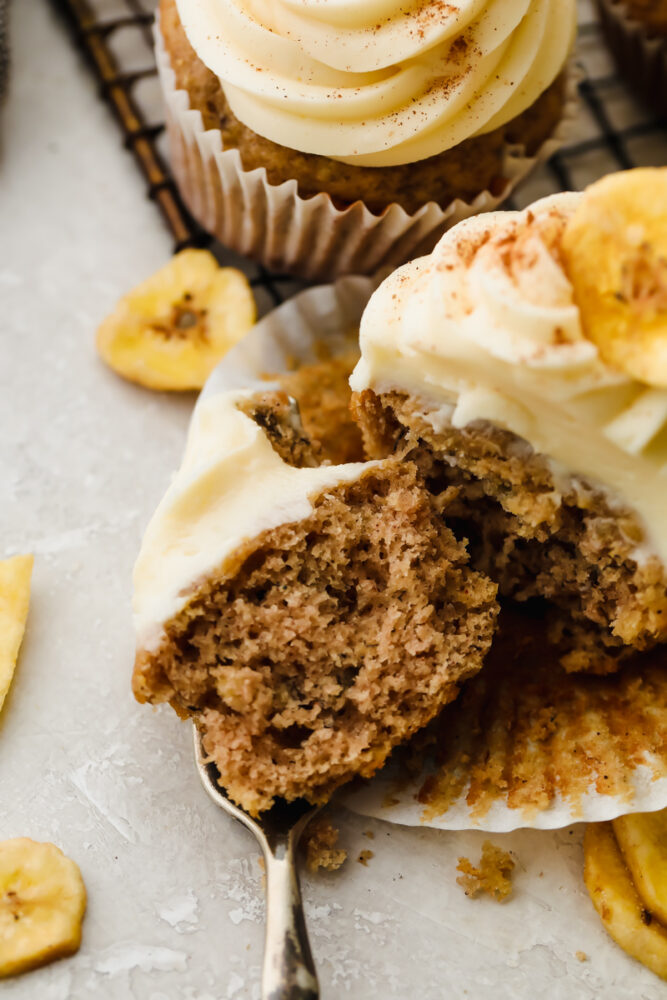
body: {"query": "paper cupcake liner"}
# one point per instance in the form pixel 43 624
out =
pixel 640 57
pixel 316 321
pixel 525 744
pixel 310 237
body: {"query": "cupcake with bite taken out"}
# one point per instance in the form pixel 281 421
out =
pixel 329 138
pixel 312 608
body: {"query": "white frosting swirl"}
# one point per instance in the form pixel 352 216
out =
pixel 381 82
pixel 486 328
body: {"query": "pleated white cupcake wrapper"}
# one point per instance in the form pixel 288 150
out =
pixel 579 708
pixel 310 237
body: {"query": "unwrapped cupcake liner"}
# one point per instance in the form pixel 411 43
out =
pixel 525 745
pixel 311 237
pixel 641 58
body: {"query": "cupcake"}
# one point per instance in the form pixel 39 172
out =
pixel 636 32
pixel 329 140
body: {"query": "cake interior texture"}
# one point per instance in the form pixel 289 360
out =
pixel 540 536
pixel 330 640
pixel 334 639
pixel 308 419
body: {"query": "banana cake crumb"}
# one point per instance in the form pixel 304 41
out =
pixel 319 843
pixel 493 875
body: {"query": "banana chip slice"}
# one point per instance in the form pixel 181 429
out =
pixel 15 576
pixel 622 910
pixel 642 839
pixel 615 253
pixel 171 331
pixel 42 902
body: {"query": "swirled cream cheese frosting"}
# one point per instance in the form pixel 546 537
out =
pixel 486 328
pixel 383 82
pixel 231 486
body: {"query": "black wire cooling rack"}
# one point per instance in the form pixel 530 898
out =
pixel 611 131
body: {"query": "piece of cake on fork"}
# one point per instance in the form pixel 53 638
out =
pixel 308 615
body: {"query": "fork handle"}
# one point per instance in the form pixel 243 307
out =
pixel 289 970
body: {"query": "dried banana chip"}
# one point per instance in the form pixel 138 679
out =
pixel 173 329
pixel 15 576
pixel 642 839
pixel 615 253
pixel 42 902
pixel 619 906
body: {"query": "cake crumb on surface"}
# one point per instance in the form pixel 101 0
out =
pixel 365 857
pixel 369 834
pixel 320 839
pixel 581 956
pixel 493 875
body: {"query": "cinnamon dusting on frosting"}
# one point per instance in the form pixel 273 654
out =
pixel 487 328
pixel 409 82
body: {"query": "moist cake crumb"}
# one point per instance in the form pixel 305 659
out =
pixel 327 643
pixel 365 857
pixel 319 842
pixel 493 875
pixel 323 643
pixel 565 543
pixel 308 420
pixel 323 393
pixel 556 749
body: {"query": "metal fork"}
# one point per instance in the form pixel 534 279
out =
pixel 288 972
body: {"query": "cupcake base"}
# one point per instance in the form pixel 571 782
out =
pixel 318 218
pixel 640 54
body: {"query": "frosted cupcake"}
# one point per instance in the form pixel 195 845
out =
pixel 328 138
pixel 636 31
